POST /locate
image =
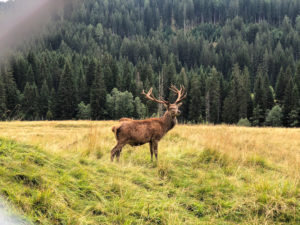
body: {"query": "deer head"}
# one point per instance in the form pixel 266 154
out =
pixel 172 108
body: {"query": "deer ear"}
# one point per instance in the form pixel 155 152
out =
pixel 166 106
pixel 179 104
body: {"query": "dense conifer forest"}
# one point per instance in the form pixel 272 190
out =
pixel 238 59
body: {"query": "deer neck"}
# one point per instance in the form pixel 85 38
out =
pixel 169 121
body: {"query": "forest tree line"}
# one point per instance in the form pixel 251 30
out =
pixel 238 62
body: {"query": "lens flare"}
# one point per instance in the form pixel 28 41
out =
pixel 21 20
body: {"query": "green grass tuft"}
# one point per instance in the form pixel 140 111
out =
pixel 184 187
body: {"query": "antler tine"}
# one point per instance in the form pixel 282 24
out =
pixel 181 93
pixel 174 88
pixel 151 97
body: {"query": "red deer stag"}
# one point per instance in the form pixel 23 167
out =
pixel 139 132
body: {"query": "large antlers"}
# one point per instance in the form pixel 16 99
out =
pixel 151 97
pixel 181 95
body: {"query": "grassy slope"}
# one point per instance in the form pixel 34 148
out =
pixel 195 182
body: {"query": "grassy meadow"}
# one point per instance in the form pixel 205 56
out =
pixel 60 173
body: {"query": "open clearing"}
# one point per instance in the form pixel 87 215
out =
pixel 60 173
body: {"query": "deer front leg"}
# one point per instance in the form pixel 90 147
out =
pixel 151 150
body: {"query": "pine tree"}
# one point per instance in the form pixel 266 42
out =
pixel 66 95
pixel 98 96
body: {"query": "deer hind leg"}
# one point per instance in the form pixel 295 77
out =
pixel 151 150
pixel 155 149
pixel 116 151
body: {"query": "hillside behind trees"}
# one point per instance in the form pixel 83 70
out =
pixel 237 58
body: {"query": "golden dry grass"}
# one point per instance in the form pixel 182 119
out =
pixel 278 145
pixel 205 175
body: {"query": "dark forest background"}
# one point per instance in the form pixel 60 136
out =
pixel 238 59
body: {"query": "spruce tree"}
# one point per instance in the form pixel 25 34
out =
pixel 32 60
pixel 12 96
pixel 230 109
pixel 127 76
pixel 91 73
pixel 280 86
pixel 244 95
pixel 30 75
pixel 288 102
pixel 182 79
pixel 2 100
pixel 196 100
pixel 259 99
pixel 107 75
pixel 66 95
pixel 294 115
pixel 213 97
pixel 269 94
pixel 44 99
pixel 83 90
pixel 297 74
pixel 98 96
pixel 232 102
pixel 51 113
pixel 30 102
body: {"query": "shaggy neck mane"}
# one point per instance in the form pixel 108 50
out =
pixel 168 121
